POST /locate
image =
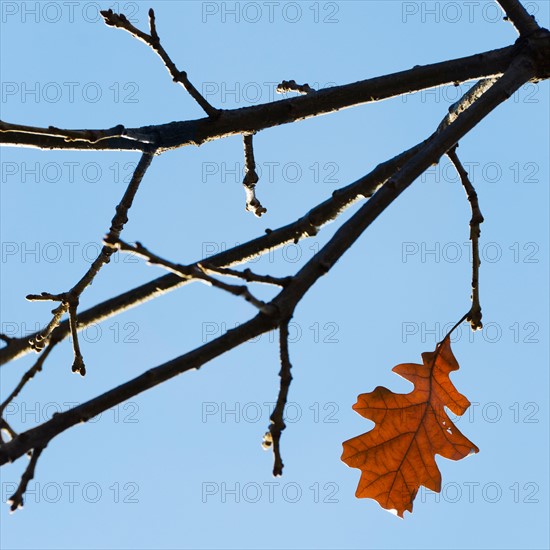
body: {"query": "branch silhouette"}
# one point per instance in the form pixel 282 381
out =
pixel 260 117
pixel 499 73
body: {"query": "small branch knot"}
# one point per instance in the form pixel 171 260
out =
pixel 291 86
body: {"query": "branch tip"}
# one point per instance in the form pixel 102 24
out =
pixel 153 41
pixel 16 500
pixel 272 438
pixel 251 178
pixel 152 26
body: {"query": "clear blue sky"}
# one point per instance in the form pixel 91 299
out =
pixel 175 468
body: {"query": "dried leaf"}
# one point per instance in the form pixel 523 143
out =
pixel 398 454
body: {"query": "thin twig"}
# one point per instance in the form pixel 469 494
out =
pixel 524 23
pixel 69 300
pixel 474 316
pixel 247 275
pixel 16 500
pixel 272 438
pixel 29 375
pixel 153 27
pixel 251 178
pixel 120 21
pixel 78 363
pixel 69 303
pixel 195 272
pixel 153 259
pixel 46 297
pixel 117 224
pixel 38 341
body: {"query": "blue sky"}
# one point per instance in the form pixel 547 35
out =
pixel 181 466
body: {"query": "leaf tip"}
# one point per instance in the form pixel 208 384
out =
pixel 474 450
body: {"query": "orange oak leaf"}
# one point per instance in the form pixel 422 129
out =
pixel 398 455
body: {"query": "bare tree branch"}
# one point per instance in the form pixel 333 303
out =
pixel 247 275
pixel 306 226
pixel 474 316
pixel 78 363
pixel 39 340
pixel 120 21
pixel 29 375
pixel 86 136
pixel 5 338
pixel 60 422
pixel 194 272
pixel 528 60
pixel 69 300
pixel 524 23
pixel 258 117
pixel 285 302
pixel 434 148
pixel 16 500
pixel 272 438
